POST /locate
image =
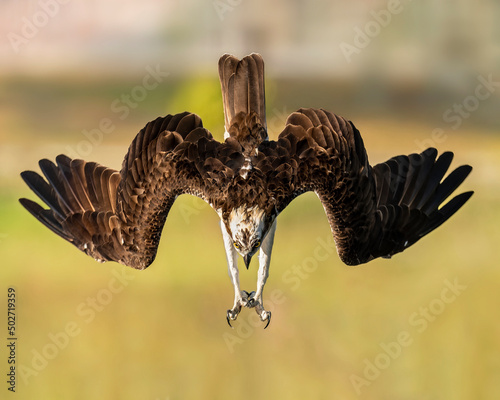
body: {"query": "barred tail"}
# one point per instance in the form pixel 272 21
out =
pixel 242 85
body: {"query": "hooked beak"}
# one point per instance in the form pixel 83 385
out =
pixel 247 260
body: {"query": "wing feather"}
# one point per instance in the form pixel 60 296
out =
pixel 373 211
pixel 119 216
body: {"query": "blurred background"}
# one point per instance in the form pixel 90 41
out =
pixel 82 78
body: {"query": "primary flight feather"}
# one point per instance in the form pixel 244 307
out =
pixel 248 180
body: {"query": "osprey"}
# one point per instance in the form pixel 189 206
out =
pixel 373 211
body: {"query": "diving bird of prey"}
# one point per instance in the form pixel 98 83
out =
pixel 373 211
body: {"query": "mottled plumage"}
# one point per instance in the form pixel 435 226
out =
pixel 373 211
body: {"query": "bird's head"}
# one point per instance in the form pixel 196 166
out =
pixel 248 228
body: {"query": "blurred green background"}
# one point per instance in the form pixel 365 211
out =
pixel 409 80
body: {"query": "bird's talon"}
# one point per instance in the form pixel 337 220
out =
pixel 268 319
pixel 231 315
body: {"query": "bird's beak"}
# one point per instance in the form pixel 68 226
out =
pixel 247 260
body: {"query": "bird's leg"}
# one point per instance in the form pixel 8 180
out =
pixel 255 298
pixel 240 297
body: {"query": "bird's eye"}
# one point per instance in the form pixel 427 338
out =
pixel 236 245
pixel 256 245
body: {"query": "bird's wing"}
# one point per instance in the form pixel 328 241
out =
pixel 373 212
pixel 119 216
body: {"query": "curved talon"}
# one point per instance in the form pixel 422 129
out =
pixel 268 319
pixel 228 319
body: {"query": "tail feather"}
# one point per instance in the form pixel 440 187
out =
pixel 242 85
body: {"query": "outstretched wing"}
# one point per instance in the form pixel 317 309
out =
pixel 373 212
pixel 119 216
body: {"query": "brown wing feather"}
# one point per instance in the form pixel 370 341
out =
pixel 79 196
pixel 373 212
pixel 119 216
